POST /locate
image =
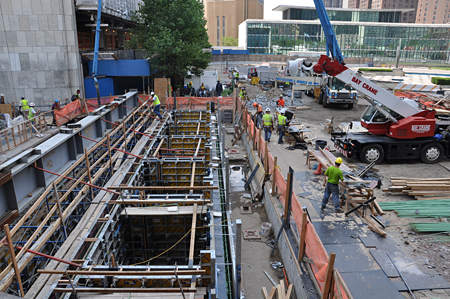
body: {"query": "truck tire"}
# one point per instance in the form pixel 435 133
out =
pixel 350 106
pixel 325 101
pixel 372 153
pixel 321 98
pixel 432 153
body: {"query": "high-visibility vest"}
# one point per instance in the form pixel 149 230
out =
pixel 237 75
pixel 282 119
pixel 24 103
pixel 156 101
pixel 267 119
pixel 30 114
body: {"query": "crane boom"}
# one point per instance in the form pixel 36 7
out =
pixel 330 37
pixel 335 67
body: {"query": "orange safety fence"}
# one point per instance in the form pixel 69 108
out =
pixel 199 102
pixel 314 248
pixel 93 103
pixel 68 112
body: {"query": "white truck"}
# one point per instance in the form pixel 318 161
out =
pixel 333 91
pixel 209 79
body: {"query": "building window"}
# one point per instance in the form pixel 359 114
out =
pixel 434 12
pixel 399 5
pixel 433 22
pixel 435 7
pixel 434 18
pixel 426 4
pixel 437 2
pixel 424 19
pixel 426 9
pixel 412 6
pixel 425 14
pixel 223 26
pixel 218 30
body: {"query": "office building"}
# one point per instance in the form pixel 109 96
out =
pixel 358 32
pixel 407 16
pixel 224 16
pixel 433 12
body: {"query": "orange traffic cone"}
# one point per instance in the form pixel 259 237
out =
pixel 319 169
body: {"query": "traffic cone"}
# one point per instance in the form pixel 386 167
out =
pixel 319 169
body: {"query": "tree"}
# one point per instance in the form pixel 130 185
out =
pixel 230 41
pixel 173 34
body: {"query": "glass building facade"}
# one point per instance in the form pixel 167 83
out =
pixel 419 42
pixel 374 15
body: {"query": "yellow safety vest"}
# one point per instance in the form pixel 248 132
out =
pixel 267 119
pixel 30 114
pixel 24 103
pixel 281 119
pixel 156 101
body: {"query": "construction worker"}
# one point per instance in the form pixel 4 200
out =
pixel 288 85
pixel 190 87
pixel 31 113
pixel 282 121
pixel 156 104
pixel 56 106
pixel 219 88
pixel 76 96
pixel 257 118
pixel 202 90
pixel 280 101
pixel 334 175
pixel 237 76
pixel 2 99
pixel 24 106
pixel 242 93
pixel 268 125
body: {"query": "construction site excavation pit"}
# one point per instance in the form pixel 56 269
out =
pixel 158 223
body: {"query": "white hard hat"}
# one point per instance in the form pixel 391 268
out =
pixel 283 111
pixel 152 93
pixel 267 109
pixel 2 95
pixel 32 104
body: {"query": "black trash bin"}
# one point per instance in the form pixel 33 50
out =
pixel 321 144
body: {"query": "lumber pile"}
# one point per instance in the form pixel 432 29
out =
pixel 420 188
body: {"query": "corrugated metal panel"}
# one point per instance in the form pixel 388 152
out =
pixel 118 8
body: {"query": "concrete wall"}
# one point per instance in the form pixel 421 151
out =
pixel 39 56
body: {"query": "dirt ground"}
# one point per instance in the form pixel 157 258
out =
pixel 432 249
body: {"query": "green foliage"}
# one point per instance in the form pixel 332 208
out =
pixel 374 70
pixel 440 80
pixel 230 41
pixel 173 34
pixel 227 92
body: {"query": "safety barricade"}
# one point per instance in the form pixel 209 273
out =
pixel 314 248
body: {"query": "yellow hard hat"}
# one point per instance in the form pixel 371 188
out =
pixel 338 161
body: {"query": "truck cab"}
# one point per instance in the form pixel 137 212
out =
pixel 334 91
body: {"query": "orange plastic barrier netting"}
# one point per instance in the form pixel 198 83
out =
pixel 92 104
pixel 200 102
pixel 314 247
pixel 68 112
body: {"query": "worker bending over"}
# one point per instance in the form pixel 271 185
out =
pixel 257 117
pixel 268 125
pixel 282 122
pixel 76 96
pixel 31 114
pixel 156 104
pixel 190 88
pixel 334 174
pixel 242 93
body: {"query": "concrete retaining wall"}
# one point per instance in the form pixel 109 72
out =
pixel 287 254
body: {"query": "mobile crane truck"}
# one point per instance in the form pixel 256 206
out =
pixel 397 129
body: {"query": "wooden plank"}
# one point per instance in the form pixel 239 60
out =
pixel 125 290
pixel 283 291
pixel 338 286
pixel 272 292
pixel 192 243
pixel 123 273
pixel 155 211
pixel 273 176
pixel 90 240
pixel 301 251
pixel 329 274
pixel 279 291
pixel 159 201
pixel 344 286
pixel 162 188
pixel 13 258
pixel 289 291
pixel 265 294
pixel 286 198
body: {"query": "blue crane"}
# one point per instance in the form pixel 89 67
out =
pixel 97 41
pixel 331 42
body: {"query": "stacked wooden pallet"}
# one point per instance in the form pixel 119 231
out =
pixel 421 188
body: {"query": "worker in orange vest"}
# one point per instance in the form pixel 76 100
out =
pixel 280 101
